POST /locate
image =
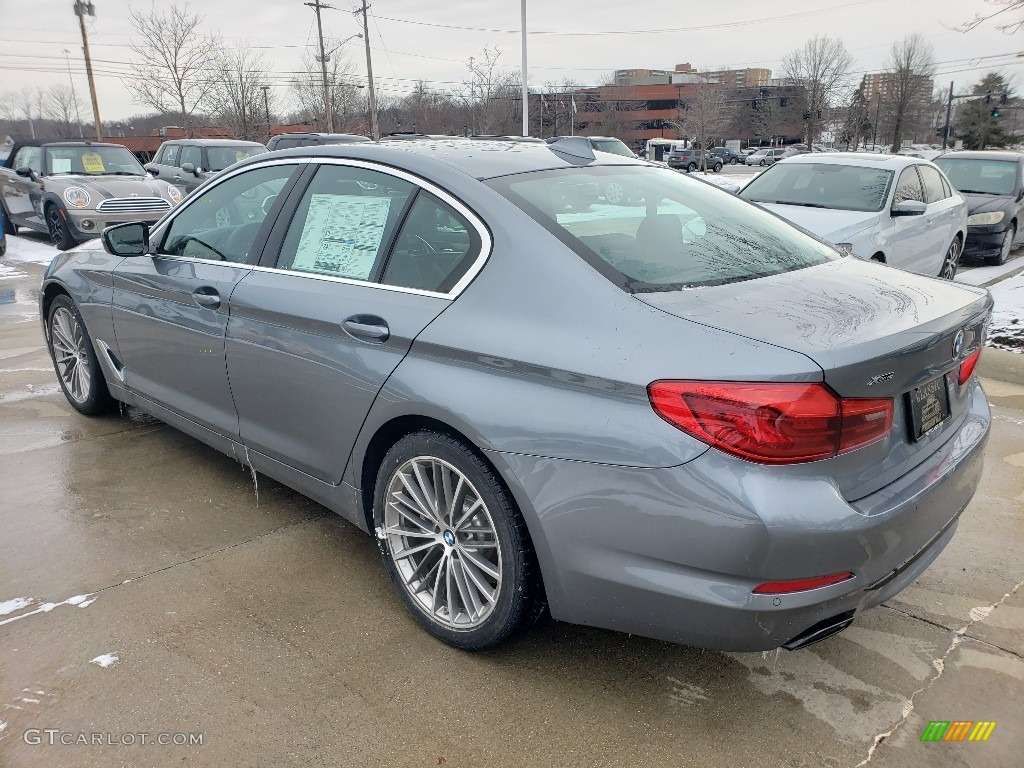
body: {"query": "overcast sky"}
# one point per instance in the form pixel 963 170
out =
pixel 747 33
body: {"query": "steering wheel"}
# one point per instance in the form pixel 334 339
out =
pixel 268 203
pixel 428 246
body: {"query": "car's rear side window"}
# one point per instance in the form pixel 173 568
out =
pixel 666 232
pixel 345 222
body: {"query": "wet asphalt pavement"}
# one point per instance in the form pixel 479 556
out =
pixel 265 626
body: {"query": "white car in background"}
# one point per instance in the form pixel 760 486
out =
pixel 895 209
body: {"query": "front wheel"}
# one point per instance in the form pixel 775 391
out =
pixel 60 235
pixel 1005 247
pixel 74 359
pixel 717 167
pixel 454 543
pixel 761 163
pixel 951 260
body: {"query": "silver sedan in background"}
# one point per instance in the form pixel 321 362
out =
pixel 674 415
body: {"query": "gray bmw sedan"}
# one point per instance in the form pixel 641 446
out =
pixel 671 414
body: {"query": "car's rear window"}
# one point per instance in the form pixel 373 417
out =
pixel 821 185
pixel 612 146
pixel 663 231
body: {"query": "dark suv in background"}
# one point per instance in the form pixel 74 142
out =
pixel 187 163
pixel 689 160
pixel 289 140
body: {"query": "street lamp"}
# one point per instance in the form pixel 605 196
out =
pixel 74 98
pixel 328 105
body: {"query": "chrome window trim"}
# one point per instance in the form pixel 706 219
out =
pixel 486 241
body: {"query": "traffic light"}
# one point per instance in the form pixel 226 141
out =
pixel 819 114
pixel 995 112
pixel 807 115
pixel 1002 99
pixel 784 101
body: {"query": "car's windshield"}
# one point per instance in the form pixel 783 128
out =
pixel 663 231
pixel 613 146
pixel 219 158
pixel 977 176
pixel 91 161
pixel 822 185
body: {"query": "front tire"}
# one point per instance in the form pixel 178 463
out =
pixel 716 167
pixel 454 543
pixel 1004 249
pixel 951 260
pixel 762 163
pixel 60 235
pixel 74 359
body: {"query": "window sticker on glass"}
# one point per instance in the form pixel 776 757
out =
pixel 342 235
pixel 92 163
pixel 60 165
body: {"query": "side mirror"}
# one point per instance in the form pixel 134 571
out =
pixel 909 208
pixel 131 239
pixel 152 170
pixel 189 168
pixel 24 171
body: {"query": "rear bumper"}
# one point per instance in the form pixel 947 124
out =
pixel 674 554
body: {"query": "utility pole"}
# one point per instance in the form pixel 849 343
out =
pixel 526 92
pixel 74 97
pixel 266 108
pixel 374 129
pixel 316 5
pixel 82 9
pixel 949 114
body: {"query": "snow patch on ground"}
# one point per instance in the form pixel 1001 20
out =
pixel 106 660
pixel 1007 329
pixel 80 600
pixel 9 273
pixel 16 604
pixel 29 249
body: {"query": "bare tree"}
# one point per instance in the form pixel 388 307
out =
pixel 347 102
pixel 62 108
pixel 703 115
pixel 489 94
pixel 822 68
pixel 911 66
pixel 236 92
pixel 173 61
pixel 1006 23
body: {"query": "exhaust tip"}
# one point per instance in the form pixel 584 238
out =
pixel 820 631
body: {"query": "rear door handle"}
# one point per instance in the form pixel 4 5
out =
pixel 369 328
pixel 206 297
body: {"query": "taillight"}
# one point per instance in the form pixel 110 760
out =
pixel 771 423
pixel 968 365
pixel 800 585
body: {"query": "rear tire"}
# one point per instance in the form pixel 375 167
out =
pixel 691 168
pixel 1005 247
pixel 469 578
pixel 74 359
pixel 951 260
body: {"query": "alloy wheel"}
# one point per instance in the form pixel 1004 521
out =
pixel 443 542
pixel 70 354
pixel 1007 246
pixel 952 260
pixel 56 227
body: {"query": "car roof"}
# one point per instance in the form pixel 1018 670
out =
pixel 1003 154
pixel 81 144
pixel 480 159
pixel 865 159
pixel 215 142
pixel 354 137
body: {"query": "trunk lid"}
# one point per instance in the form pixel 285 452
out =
pixel 875 332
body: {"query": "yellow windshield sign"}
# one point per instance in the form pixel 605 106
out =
pixel 92 163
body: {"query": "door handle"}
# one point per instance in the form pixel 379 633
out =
pixel 206 297
pixel 177 177
pixel 367 328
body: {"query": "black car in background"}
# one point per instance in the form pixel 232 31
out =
pixel 289 140
pixel 727 155
pixel 992 184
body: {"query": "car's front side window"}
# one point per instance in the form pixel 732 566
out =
pixel 222 223
pixel 29 157
pixel 932 184
pixel 908 187
pixel 345 222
